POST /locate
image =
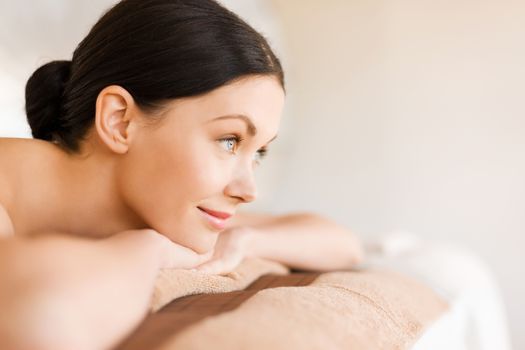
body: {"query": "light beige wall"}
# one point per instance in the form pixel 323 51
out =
pixel 410 114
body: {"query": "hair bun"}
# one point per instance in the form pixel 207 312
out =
pixel 44 93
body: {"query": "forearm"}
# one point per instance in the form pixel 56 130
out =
pixel 61 292
pixel 305 242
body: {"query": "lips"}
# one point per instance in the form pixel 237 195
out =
pixel 216 219
pixel 218 214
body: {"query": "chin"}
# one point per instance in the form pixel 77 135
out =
pixel 205 244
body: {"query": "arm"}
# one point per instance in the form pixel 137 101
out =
pixel 60 292
pixel 301 241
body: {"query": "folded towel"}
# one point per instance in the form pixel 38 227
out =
pixel 367 309
pixel 175 283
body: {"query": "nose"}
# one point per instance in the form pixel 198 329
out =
pixel 242 185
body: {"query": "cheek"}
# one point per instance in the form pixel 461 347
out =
pixel 163 183
pixel 163 187
pixel 208 175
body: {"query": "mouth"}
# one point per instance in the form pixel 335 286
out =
pixel 218 214
pixel 216 219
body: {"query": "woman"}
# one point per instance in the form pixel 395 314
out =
pixel 144 148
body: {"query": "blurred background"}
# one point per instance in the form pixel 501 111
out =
pixel 401 115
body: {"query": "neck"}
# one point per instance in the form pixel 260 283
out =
pixel 85 200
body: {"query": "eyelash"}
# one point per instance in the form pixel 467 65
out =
pixel 238 139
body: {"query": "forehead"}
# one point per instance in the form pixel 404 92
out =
pixel 259 98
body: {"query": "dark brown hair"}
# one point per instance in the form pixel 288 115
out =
pixel 157 50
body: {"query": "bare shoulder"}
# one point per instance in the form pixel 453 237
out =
pixel 12 155
pixel 17 156
pixel 6 225
pixel 5 150
pixel 7 146
pixel 11 147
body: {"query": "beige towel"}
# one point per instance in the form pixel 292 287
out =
pixel 173 284
pixel 370 309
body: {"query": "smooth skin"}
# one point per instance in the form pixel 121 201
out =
pixel 84 235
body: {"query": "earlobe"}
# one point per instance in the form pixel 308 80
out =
pixel 113 117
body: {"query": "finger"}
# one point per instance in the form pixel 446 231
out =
pixel 214 267
pixel 206 257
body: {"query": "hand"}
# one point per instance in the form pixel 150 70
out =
pixel 169 254
pixel 176 256
pixel 229 251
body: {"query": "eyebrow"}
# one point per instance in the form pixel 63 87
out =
pixel 250 127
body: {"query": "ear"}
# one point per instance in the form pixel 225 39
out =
pixel 114 117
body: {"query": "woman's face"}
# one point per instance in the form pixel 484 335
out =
pixel 201 154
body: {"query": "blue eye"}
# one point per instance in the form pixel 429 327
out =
pixel 233 142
